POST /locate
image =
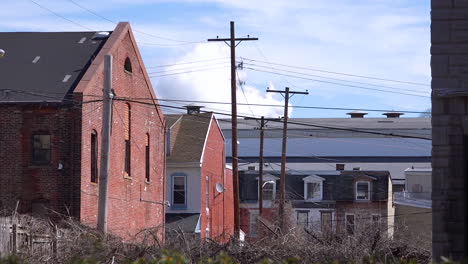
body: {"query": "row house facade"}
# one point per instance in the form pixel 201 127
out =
pixel 337 201
pixel 50 129
pixel 199 185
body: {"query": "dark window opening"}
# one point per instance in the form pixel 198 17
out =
pixel 147 158
pixel 350 224
pixel 41 149
pixel 128 135
pixel 94 157
pixel 178 190
pixel 326 222
pixel 128 65
pixel 303 219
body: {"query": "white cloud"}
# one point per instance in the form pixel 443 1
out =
pixel 214 85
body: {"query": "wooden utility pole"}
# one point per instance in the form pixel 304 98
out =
pixel 283 152
pixel 105 144
pixel 260 168
pixel 235 162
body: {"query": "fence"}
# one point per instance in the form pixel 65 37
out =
pixel 16 238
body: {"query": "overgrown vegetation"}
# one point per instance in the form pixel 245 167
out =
pixel 78 244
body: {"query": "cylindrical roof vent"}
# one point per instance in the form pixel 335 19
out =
pixel 357 114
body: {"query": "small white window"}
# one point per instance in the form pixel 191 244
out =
pixel 313 187
pixel 362 190
pixel 268 188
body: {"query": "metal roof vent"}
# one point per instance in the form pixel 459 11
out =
pixel 101 35
pixel 193 109
pixel 357 114
pixel 393 114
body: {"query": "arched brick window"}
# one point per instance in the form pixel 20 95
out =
pixel 94 156
pixel 128 65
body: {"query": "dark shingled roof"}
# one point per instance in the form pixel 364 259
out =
pixel 337 186
pixel 44 66
pixel 188 140
pixel 186 223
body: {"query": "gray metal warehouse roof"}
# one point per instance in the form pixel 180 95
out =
pixel 335 147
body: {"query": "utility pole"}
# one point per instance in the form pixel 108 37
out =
pixel 235 162
pixel 283 152
pixel 260 162
pixel 105 144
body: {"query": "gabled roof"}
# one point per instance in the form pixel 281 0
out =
pixel 188 141
pixel 44 66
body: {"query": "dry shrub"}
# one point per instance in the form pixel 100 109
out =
pixel 80 244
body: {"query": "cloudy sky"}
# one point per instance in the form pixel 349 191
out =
pixel 302 45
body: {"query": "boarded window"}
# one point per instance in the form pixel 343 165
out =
pixel 128 131
pixel 147 159
pixel 41 149
pixel 94 157
pixel 326 221
pixel 303 219
pixel 178 188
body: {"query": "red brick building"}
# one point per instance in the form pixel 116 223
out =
pixel 199 186
pixel 50 129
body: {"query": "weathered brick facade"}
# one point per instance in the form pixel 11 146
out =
pixel 449 64
pixel 65 184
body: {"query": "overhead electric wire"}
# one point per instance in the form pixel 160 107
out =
pixel 339 73
pixel 183 63
pixel 336 79
pixel 139 31
pixel 58 15
pixel 335 83
pixel 278 105
pixel 188 68
pixel 177 73
pixel 292 122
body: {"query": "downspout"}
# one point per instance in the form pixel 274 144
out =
pixel 165 131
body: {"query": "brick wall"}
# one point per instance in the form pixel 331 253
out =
pixel 20 179
pixel 127 212
pixel 221 216
pixel 449 63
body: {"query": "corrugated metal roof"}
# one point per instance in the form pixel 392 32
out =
pixel 44 66
pixel 335 147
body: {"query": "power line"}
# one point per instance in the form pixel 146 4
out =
pixel 336 79
pixel 170 74
pixel 292 106
pixel 188 68
pixel 339 73
pixel 348 85
pixel 139 31
pixel 58 15
pixel 183 63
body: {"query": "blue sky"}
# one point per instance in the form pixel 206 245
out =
pixel 380 38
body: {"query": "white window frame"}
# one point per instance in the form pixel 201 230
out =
pixel 368 191
pixel 313 179
pixel 267 178
pixel 174 205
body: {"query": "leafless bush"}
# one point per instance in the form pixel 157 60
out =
pixel 75 241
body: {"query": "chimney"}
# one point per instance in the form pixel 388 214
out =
pixel 357 114
pixel 193 109
pixel 393 114
pixel 340 167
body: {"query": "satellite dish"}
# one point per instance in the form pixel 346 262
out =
pixel 219 187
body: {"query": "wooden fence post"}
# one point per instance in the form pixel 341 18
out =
pixel 14 238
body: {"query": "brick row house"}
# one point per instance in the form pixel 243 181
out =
pixel 334 200
pixel 50 129
pixel 199 185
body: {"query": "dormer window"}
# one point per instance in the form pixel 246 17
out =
pixel 128 65
pixel 362 190
pixel 268 187
pixel 313 188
